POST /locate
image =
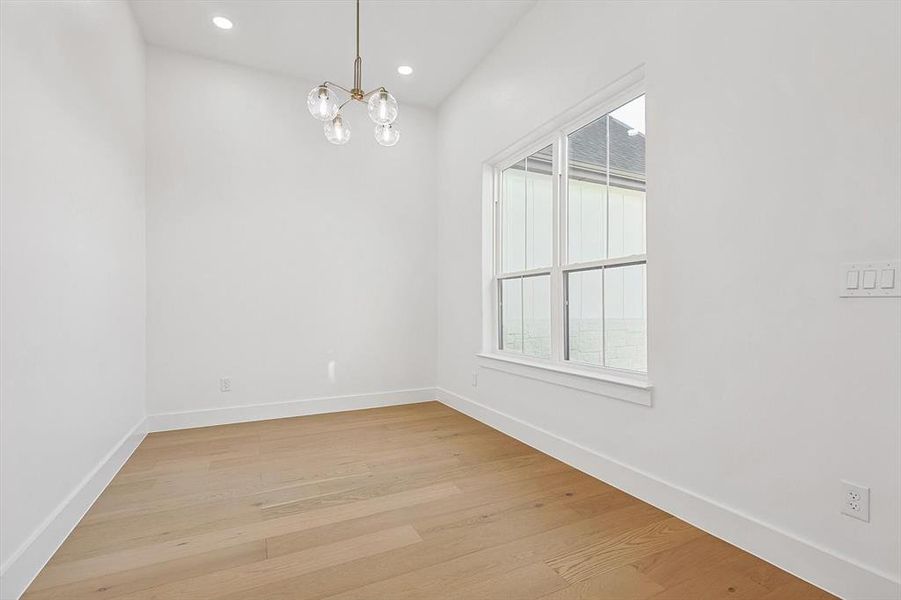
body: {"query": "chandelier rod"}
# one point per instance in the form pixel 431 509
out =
pixel 357 91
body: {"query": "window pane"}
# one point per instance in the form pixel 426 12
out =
pixel 536 303
pixel 540 209
pixel 511 314
pixel 527 213
pixel 585 294
pixel 625 318
pixel 626 215
pixel 513 218
pixel 626 205
pixel 587 181
pixel 606 186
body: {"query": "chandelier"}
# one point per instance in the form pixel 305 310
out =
pixel 323 102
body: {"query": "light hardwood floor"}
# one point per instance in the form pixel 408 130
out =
pixel 405 502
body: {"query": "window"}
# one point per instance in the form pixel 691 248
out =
pixel 570 258
pixel 526 255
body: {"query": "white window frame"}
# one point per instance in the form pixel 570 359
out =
pixel 610 382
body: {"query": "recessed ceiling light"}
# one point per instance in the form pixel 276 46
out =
pixel 405 70
pixel 222 23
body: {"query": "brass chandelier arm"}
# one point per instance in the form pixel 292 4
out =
pixel 361 98
pixel 368 94
pixel 342 88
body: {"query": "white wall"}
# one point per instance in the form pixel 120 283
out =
pixel 773 153
pixel 71 251
pixel 272 253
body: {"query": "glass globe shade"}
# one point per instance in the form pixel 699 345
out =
pixel 322 104
pixel 386 135
pixel 382 108
pixel 337 130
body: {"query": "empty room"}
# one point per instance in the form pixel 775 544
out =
pixel 450 299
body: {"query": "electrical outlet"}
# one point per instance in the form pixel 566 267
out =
pixel 475 379
pixel 856 501
pixel 225 384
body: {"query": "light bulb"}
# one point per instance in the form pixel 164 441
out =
pixel 382 108
pixel 322 104
pixel 386 134
pixel 337 130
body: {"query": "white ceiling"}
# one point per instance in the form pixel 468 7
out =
pixel 442 40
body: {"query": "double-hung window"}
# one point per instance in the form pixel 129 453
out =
pixel 526 255
pixel 569 268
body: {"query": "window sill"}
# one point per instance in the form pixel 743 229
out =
pixel 637 390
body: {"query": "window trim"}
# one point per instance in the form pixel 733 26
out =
pixel 573 377
pixel 632 386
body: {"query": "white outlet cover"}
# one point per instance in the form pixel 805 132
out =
pixel 856 501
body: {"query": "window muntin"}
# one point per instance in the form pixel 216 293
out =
pixel 597 285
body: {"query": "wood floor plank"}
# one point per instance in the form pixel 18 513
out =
pixel 797 589
pixel 249 576
pixel 454 509
pixel 715 585
pixel 406 502
pixel 691 559
pixel 57 574
pixel 622 583
pixel 458 555
pixel 524 583
pixel 610 554
pixel 114 585
pixel 759 571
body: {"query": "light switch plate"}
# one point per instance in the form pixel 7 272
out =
pixel 873 279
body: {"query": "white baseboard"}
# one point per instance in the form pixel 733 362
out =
pixel 17 573
pixel 279 410
pixel 822 567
